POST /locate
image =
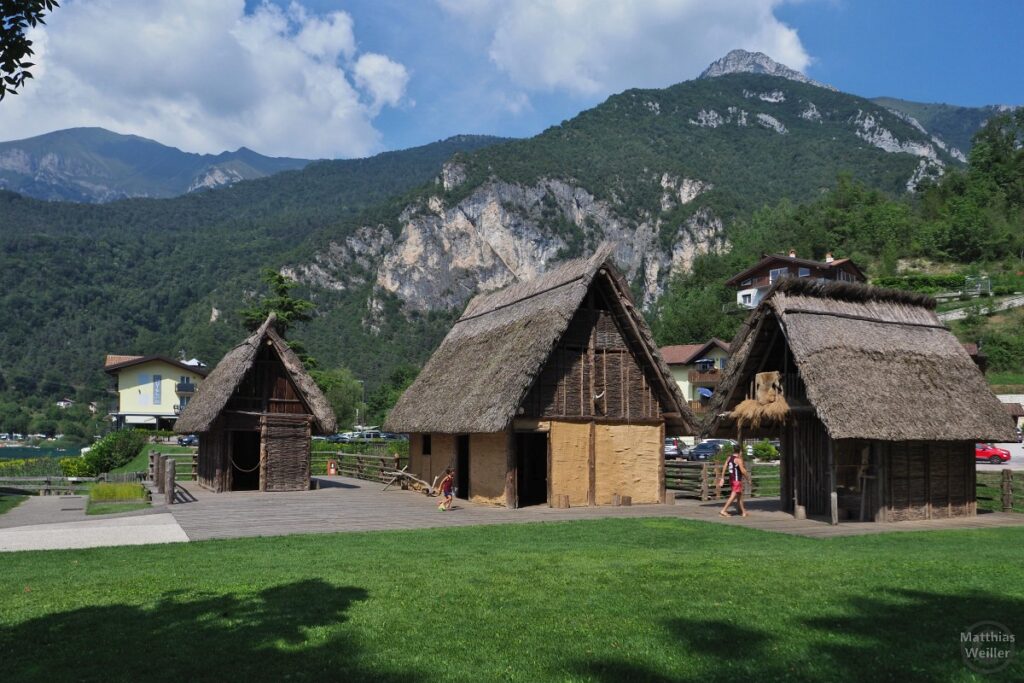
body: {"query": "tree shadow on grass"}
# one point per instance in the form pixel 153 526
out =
pixel 292 631
pixel 895 635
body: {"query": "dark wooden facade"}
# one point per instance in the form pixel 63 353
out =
pixel 261 439
pixel 594 373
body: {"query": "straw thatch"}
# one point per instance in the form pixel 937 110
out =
pixel 483 370
pixel 876 364
pixel 213 394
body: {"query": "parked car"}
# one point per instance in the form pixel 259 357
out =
pixel 704 451
pixel 1020 435
pixel 392 436
pixel 188 440
pixel 986 452
pixel 673 448
pixel 722 442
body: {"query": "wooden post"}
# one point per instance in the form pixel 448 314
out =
pixel 152 465
pixel 160 471
pixel 833 496
pixel 1007 487
pixel 195 466
pixel 592 467
pixel 169 481
pixel 704 482
pixel 510 470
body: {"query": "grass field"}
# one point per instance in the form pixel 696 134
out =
pixel 609 600
pixel 140 463
pixel 109 498
pixel 10 500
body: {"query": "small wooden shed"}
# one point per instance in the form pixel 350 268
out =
pixel 255 415
pixel 546 392
pixel 882 405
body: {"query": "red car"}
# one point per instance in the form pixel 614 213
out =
pixel 986 452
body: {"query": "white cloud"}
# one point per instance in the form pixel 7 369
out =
pixel 597 47
pixel 207 76
pixel 382 78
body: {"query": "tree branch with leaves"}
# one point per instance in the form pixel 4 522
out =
pixel 16 17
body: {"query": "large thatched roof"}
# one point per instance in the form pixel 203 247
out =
pixel 482 371
pixel 213 394
pixel 876 363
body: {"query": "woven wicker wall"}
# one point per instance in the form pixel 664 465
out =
pixel 930 480
pixel 593 373
pixel 285 457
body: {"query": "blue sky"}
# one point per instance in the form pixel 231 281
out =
pixel 332 78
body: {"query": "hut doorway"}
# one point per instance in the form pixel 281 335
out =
pixel 462 467
pixel 532 468
pixel 245 461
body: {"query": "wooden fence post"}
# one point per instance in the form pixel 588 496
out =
pixel 704 482
pixel 1007 488
pixel 152 465
pixel 160 472
pixel 169 480
pixel 748 483
pixel 195 467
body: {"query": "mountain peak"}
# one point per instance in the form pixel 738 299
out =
pixel 741 61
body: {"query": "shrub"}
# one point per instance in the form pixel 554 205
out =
pixel 115 449
pixel 764 450
pixel 75 467
pixel 926 284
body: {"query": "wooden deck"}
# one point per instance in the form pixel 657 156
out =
pixel 355 505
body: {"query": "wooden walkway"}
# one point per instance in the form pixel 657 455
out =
pixel 355 505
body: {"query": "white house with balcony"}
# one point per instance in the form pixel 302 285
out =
pixel 151 390
pixel 753 283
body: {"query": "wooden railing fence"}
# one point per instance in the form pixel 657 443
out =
pixel 698 480
pixel 997 491
pixel 360 466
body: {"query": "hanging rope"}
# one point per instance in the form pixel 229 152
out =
pixel 235 465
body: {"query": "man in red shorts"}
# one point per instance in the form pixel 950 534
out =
pixel 734 471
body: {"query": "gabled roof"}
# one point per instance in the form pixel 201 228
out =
pixel 114 362
pixel 485 366
pixel 684 354
pixel 792 260
pixel 876 363
pixel 213 394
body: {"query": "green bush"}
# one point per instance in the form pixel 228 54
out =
pixel 115 449
pixel 75 467
pixel 925 284
pixel 764 450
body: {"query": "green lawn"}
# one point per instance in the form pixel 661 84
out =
pixel 140 463
pixel 607 600
pixel 113 508
pixel 9 501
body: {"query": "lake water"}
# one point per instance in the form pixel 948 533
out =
pixel 14 452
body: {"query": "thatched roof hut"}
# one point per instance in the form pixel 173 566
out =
pixel 877 364
pixel 876 390
pixel 565 352
pixel 256 412
pixel 484 368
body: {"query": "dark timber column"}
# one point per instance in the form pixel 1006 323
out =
pixel 511 474
pixel 592 466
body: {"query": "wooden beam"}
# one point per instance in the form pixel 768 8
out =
pixel 592 466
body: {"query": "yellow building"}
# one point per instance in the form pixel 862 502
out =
pixel 151 390
pixel 697 369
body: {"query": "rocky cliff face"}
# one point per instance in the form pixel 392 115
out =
pixel 504 232
pixel 741 61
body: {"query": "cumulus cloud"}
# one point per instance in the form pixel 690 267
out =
pixel 598 47
pixel 208 76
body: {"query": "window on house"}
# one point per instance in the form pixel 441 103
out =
pixel 775 273
pixel 722 362
pixel 157 380
pixel 747 298
pixel 746 283
pixel 426 444
pixel 805 272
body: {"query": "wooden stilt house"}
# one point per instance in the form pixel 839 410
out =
pixel 876 403
pixel 255 415
pixel 550 391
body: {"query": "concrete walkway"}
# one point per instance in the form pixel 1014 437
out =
pixel 94 533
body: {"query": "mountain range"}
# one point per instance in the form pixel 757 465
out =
pixel 391 247
pixel 96 165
